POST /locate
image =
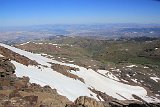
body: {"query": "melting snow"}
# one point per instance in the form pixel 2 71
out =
pixel 124 80
pixel 117 70
pixel 155 79
pixel 130 66
pixel 44 54
pixel 141 81
pixel 72 88
pixel 146 67
pixel 156 48
pixel 70 61
pixel 128 75
pixel 68 87
pixel 1 55
pixel 134 80
pixel 25 43
pixel 108 74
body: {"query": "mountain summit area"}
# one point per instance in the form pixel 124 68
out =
pixel 80 72
pixel 79 53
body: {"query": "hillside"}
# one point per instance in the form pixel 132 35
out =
pixel 134 62
pixel 72 79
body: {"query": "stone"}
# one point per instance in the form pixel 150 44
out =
pixel 31 99
pixel 15 93
pixel 43 106
pixel 88 102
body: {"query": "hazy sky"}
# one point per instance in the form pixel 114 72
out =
pixel 31 12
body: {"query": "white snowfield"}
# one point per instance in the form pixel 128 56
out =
pixel 72 88
pixel 108 74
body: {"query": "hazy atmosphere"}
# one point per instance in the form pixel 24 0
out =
pixel 35 12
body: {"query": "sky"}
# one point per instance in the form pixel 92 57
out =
pixel 36 12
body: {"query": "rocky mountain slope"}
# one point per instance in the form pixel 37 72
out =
pixel 19 92
pixel 133 62
pixel 101 88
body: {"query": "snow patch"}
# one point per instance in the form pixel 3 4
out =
pixel 155 79
pixel 65 86
pixel 146 67
pixel 134 80
pixel 124 80
pixel 43 54
pixel 117 70
pixel 25 43
pixel 40 43
pixel 128 75
pixel 130 66
pixel 156 48
pixel 109 86
pixel 70 61
pixel 1 55
pixel 108 74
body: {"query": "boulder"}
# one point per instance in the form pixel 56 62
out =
pixel 43 105
pixel 6 67
pixel 14 93
pixel 87 102
pixel 31 99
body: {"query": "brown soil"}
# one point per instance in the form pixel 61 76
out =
pixel 65 70
pixel 39 47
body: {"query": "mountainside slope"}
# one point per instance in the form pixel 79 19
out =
pixel 72 88
pixel 19 92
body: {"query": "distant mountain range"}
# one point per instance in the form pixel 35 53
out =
pixel 106 31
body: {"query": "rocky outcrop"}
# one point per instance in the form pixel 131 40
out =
pixel 88 102
pixel 6 73
pixel 16 57
pixel 84 101
pixel 6 67
pixel 18 92
pixel 65 70
pixel 31 99
pixel 109 101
